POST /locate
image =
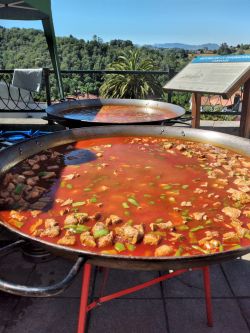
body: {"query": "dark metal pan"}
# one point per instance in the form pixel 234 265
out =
pixel 19 152
pixel 90 112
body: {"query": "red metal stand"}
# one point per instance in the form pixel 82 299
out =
pixel 85 307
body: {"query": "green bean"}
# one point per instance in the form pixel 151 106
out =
pixel 181 227
pixel 19 189
pixel 69 186
pixel 167 187
pixel 119 247
pixel 130 247
pixel 125 205
pixel 196 247
pixel 78 203
pixel 199 227
pixel 100 233
pixel 179 252
pixel 133 201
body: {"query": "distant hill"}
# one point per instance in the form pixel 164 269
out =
pixel 209 46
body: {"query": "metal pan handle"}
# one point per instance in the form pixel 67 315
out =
pixel 48 291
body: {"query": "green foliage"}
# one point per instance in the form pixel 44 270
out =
pixel 128 85
pixel 224 49
pixel 27 48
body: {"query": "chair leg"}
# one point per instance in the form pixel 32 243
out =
pixel 207 288
pixel 84 298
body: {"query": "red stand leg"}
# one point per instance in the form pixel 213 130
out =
pixel 84 298
pixel 207 287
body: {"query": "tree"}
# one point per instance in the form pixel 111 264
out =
pixel 128 85
pixel 224 49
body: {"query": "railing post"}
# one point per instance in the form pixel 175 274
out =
pixel 245 112
pixel 196 105
pixel 171 74
pixel 46 73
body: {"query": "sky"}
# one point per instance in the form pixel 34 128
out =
pixel 151 21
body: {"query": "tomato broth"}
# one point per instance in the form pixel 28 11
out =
pixel 135 196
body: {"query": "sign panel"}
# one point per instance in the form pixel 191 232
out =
pixel 221 75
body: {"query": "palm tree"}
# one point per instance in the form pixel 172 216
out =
pixel 130 85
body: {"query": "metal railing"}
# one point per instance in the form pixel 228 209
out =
pixel 78 76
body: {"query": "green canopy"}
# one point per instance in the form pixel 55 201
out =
pixel 35 10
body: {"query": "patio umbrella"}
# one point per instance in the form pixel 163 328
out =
pixel 35 10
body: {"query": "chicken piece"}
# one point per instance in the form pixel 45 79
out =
pixel 37 232
pixel 232 212
pixel 64 211
pixel 181 147
pixel 163 250
pixel 246 164
pixel 67 240
pixel 35 213
pixel 70 219
pixel 211 244
pixel 35 193
pixel 199 190
pixel 7 179
pixel 105 240
pixel 98 226
pixel 186 204
pixel 241 181
pixel 20 179
pixel 212 233
pixel 36 166
pixel 244 188
pixel 43 157
pixel 198 216
pixel 161 226
pixel 32 181
pixel 96 216
pixel 49 174
pixel 222 181
pixel 50 232
pixel 237 195
pixel 49 223
pixel 176 236
pixel 113 219
pixel 238 228
pixel 168 145
pixel 151 239
pixel 66 202
pixel 87 239
pixel 230 237
pixel 129 233
pixel 5 194
pixel 82 217
pixel 17 216
pixel 52 167
pixel 11 187
pixel 140 228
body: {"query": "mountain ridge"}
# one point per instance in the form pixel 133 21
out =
pixel 209 46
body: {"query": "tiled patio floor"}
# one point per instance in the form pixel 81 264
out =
pixel 174 306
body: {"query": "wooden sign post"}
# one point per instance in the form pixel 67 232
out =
pixel 218 75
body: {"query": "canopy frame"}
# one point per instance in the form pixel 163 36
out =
pixel 36 10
